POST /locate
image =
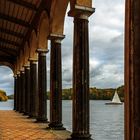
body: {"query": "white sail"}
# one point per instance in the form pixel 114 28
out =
pixel 116 98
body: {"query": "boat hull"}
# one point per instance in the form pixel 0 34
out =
pixel 113 103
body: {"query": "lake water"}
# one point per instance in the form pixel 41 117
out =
pixel 106 121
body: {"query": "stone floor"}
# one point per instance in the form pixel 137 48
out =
pixel 15 126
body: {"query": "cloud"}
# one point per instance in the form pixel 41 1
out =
pixel 106 46
pixel 106 31
pixel 106 27
pixel 6 79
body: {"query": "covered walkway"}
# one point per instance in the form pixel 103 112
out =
pixel 25 28
pixel 15 126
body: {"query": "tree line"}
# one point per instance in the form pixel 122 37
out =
pixel 95 93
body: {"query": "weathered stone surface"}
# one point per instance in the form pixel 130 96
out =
pixel 56 84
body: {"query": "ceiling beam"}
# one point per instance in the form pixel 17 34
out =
pixel 19 35
pixel 8 59
pixel 24 4
pixel 14 20
pixel 34 22
pixel 14 51
pixel 6 52
pixel 10 50
pixel 9 42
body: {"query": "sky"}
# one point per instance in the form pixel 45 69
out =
pixel 106 47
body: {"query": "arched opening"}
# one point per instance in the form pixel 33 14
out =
pixel 106 67
pixel 6 85
pixel 67 64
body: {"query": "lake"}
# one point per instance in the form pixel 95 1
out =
pixel 106 121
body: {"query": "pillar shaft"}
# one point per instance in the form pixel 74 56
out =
pixel 81 79
pixel 15 92
pixel 23 91
pixel 19 91
pixel 42 90
pixel 33 88
pixel 128 71
pixel 27 89
pixel 56 84
pixel 18 76
pixel 132 70
pixel 81 115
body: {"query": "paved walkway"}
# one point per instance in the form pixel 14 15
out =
pixel 14 126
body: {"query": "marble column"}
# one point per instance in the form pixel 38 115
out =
pixel 27 89
pixel 33 88
pixel 56 83
pixel 80 130
pixel 42 86
pixel 15 92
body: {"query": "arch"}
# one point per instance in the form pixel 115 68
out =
pixel 57 16
pixel 86 3
pixel 11 66
pixel 33 45
pixel 15 68
pixel 26 54
pixel 43 31
pixel 20 62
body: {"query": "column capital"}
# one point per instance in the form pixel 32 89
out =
pixel 26 66
pixel 34 60
pixel 82 12
pixel 15 76
pixel 44 51
pixel 56 37
pixel 18 73
pixel 22 71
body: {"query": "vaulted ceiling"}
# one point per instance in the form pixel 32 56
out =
pixel 17 19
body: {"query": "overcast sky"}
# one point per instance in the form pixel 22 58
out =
pixel 106 31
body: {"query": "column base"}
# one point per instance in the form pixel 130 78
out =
pixel 75 136
pixel 55 126
pixel 31 117
pixel 25 113
pixel 38 120
pixel 21 112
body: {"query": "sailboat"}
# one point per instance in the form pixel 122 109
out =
pixel 115 100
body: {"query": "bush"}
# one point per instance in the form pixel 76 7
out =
pixel 3 96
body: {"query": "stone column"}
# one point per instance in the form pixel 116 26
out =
pixel 80 130
pixel 42 90
pixel 15 92
pixel 23 91
pixel 129 125
pixel 56 83
pixel 19 91
pixel 22 74
pixel 132 70
pixel 27 89
pixel 33 88
pixel 17 109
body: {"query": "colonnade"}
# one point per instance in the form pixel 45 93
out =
pixel 30 83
